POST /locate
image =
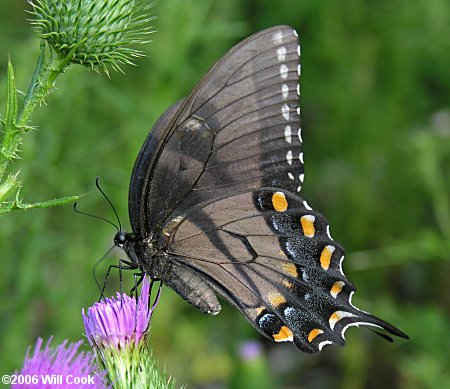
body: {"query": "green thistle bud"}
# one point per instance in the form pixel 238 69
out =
pixel 93 33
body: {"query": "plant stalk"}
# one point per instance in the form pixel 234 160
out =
pixel 48 68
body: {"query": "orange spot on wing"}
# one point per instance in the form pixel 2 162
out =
pixel 276 299
pixel 336 288
pixel 260 310
pixel 325 257
pixel 336 316
pixel 279 202
pixel 290 268
pixel 308 225
pixel 287 284
pixel 314 334
pixel 284 335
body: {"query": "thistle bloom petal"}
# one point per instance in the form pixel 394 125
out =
pixel 119 321
pixel 117 329
pixel 63 362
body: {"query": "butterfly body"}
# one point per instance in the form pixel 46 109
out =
pixel 215 208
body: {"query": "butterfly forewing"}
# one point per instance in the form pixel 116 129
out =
pixel 214 202
pixel 238 130
pixel 138 197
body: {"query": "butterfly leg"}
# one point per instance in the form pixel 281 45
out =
pixel 152 306
pixel 128 266
pixel 138 282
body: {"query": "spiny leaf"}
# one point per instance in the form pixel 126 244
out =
pixel 8 185
pixel 11 99
pixel 17 204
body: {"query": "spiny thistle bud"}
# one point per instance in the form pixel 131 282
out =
pixel 93 33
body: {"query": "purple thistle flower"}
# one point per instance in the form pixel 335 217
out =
pixel 119 321
pixel 62 366
pixel 117 328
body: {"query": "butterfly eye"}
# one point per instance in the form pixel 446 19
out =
pixel 120 239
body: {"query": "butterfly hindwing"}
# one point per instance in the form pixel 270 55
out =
pixel 248 254
pixel 283 273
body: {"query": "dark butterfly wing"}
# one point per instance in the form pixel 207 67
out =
pixel 272 256
pixel 214 188
pixel 238 130
pixel 140 185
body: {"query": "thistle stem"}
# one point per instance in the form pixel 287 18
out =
pixel 95 34
pixel 42 82
pixel 49 66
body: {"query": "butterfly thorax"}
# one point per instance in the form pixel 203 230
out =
pixel 144 254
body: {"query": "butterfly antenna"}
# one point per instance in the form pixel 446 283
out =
pixel 95 217
pixel 97 184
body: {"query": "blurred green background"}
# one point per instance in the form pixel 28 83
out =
pixel 376 120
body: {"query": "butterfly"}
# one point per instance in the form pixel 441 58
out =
pixel 214 203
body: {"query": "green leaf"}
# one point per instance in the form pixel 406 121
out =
pixel 17 204
pixel 8 133
pixel 11 99
pixel 6 187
